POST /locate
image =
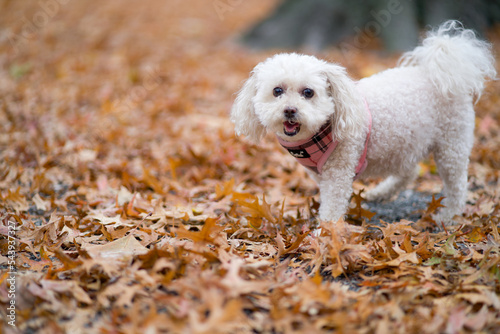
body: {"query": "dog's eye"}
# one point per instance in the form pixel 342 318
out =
pixel 308 93
pixel 277 91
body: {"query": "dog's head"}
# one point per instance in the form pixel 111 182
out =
pixel 293 95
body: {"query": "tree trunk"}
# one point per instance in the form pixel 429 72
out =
pixel 316 24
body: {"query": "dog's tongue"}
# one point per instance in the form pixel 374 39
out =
pixel 290 127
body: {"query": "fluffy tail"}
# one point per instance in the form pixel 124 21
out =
pixel 456 61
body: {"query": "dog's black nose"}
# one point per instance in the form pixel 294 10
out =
pixel 290 112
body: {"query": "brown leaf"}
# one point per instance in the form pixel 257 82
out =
pixel 408 257
pixel 225 190
pixel 120 248
pixel 358 211
pixel 151 181
pixel 210 232
pixel 434 205
pixel 252 205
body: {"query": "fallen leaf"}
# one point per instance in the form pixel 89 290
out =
pixel 120 248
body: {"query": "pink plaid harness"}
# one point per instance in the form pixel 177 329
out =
pixel 313 152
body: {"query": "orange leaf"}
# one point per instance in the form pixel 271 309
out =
pixel 68 262
pixel 224 190
pixel 151 181
pixel 407 246
pixel 434 205
pixel 209 232
pixel 254 208
pixel 295 244
pixel 317 279
pixel 475 236
pixel 129 209
pixel 174 163
pixel 358 212
pixel 408 257
pixel 280 243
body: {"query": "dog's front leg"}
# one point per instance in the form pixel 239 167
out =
pixel 335 189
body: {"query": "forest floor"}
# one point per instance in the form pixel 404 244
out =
pixel 128 205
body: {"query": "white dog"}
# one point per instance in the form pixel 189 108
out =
pixel 380 126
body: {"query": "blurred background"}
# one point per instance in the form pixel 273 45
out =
pixel 132 34
pixel 318 24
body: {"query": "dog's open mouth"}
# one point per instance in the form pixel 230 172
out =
pixel 291 128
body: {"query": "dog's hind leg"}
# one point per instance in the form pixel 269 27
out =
pixel 452 163
pixel 392 186
pixel 451 154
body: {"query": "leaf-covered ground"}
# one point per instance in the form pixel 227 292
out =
pixel 137 210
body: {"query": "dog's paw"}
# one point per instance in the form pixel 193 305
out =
pixel 375 195
pixel 445 218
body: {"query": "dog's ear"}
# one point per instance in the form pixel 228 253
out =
pixel 348 118
pixel 243 112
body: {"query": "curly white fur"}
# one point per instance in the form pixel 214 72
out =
pixel 423 106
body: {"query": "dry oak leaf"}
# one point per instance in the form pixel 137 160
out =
pixel 250 204
pixel 357 211
pixel 15 200
pixel 224 190
pixel 224 316
pixel 210 233
pixel 47 288
pixel 235 284
pixel 483 270
pixel 40 203
pixel 104 220
pixel 297 241
pixel 123 247
pixel 407 257
pixel 122 294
